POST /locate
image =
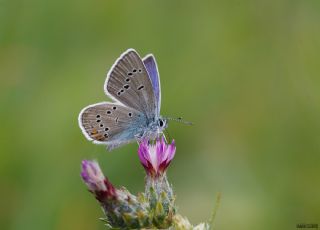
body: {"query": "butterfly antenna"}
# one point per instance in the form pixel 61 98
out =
pixel 180 120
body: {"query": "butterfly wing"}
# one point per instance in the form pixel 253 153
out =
pixel 128 82
pixel 152 68
pixel 110 123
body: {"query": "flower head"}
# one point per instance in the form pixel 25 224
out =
pixel 95 180
pixel 155 158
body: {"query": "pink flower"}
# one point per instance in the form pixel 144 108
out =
pixel 155 158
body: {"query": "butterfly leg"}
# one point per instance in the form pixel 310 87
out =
pixel 166 135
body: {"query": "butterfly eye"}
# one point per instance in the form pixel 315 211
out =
pixel 161 123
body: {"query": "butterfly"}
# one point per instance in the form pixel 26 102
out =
pixel 134 86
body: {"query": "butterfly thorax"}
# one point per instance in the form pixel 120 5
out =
pixel 153 130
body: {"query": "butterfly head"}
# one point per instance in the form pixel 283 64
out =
pixel 162 123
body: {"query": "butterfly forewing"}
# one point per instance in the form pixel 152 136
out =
pixel 128 82
pixel 110 123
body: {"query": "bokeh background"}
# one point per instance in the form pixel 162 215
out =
pixel 247 73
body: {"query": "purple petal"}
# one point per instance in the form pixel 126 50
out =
pixel 163 144
pixel 84 173
pixel 143 153
pixel 171 151
pixel 159 152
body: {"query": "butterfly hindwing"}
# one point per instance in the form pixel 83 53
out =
pixel 110 123
pixel 128 82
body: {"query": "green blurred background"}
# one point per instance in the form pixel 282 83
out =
pixel 247 73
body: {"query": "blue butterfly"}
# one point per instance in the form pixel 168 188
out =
pixel 134 86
